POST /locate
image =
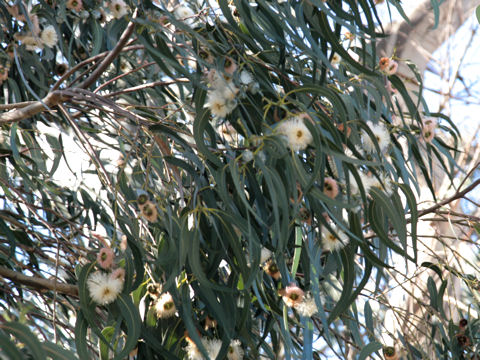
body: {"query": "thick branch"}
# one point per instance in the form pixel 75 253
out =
pixel 38 282
pixel 51 100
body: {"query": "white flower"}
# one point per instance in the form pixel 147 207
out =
pixel 235 351
pixel 307 306
pixel 220 106
pixel 370 181
pixel 213 347
pixel 118 8
pixel 246 78
pixel 185 14
pixel 297 134
pixel 265 255
pixel 331 242
pixel 335 59
pixel 381 134
pixel 229 90
pixel 164 306
pixel 103 288
pixel 49 36
pixel 193 353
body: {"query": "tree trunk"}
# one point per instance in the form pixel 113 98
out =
pixel 417 41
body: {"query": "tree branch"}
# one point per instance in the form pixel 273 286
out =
pixel 38 282
pixel 456 196
pixel 52 99
pixel 55 97
pixel 113 54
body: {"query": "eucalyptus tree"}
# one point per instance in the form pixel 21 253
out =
pixel 208 180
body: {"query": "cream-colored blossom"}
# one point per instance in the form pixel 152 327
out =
pixel 213 347
pixel 368 181
pixel 336 59
pixel 102 288
pixel 291 295
pixel 246 78
pixel 165 306
pixel 220 105
pixel 184 14
pixel 381 135
pixel 118 8
pixel 333 240
pixel 193 353
pixel 307 307
pixel 235 351
pixel 49 36
pixel 296 133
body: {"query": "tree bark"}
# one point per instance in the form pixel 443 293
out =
pixel 417 41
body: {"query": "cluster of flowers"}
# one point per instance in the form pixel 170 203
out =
pixel 295 132
pixel 222 95
pixel 147 208
pixel 388 66
pixel 296 298
pixel 104 287
pixel 37 33
pixel 292 295
pixel 118 9
pixel 36 39
pixel 213 346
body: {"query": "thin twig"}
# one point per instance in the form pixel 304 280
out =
pixel 456 196
pixel 111 56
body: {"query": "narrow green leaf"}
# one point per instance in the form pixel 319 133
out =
pixel 57 352
pixel 24 335
pixel 369 349
pixel 81 327
pixel 8 348
pixel 104 350
pixel 344 302
pixel 298 250
pixel 133 323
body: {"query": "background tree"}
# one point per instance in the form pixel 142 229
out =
pixel 210 180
